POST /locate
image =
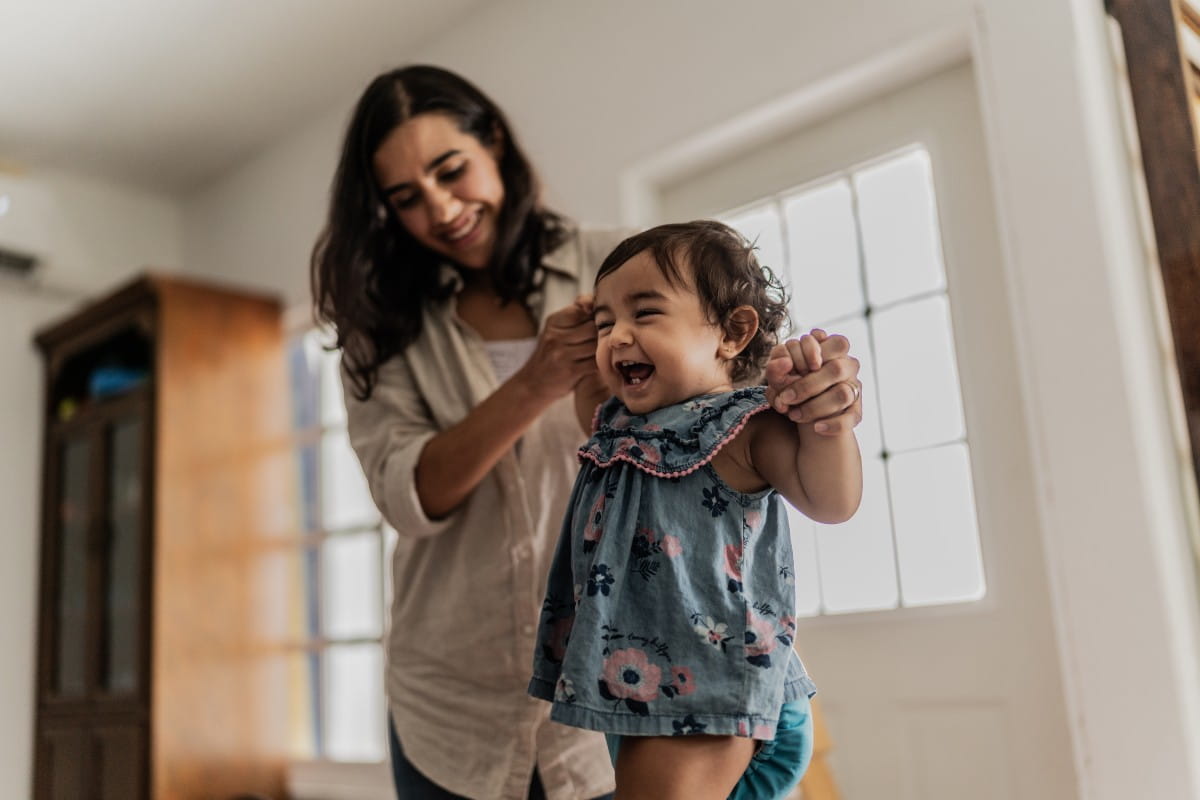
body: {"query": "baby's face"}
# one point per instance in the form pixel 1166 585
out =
pixel 656 347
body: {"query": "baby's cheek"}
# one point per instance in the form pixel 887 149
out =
pixel 604 365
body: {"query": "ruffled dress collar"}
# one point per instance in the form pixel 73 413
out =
pixel 673 441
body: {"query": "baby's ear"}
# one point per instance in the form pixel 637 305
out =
pixel 740 326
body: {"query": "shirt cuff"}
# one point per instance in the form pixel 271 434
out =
pixel 402 506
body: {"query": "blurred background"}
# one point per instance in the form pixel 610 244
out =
pixel 976 192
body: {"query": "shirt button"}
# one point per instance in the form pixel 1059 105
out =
pixel 524 551
pixel 527 630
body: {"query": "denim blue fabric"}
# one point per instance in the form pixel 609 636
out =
pixel 670 602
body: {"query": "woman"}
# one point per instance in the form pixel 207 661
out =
pixel 452 291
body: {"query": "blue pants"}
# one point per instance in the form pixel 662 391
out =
pixel 412 785
pixel 778 765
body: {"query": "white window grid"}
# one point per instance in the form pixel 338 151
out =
pixel 343 557
pixel 860 251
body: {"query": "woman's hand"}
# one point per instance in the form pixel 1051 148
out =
pixel 815 379
pixel 565 352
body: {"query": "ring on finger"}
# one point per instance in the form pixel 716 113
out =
pixel 855 390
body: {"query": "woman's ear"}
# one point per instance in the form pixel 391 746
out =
pixel 740 327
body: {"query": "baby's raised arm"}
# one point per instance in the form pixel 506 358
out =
pixel 821 475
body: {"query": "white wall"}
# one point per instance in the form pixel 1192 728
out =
pixel 103 234
pixel 595 88
pixel 559 70
pixel 20 478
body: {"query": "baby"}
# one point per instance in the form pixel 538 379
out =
pixel 669 613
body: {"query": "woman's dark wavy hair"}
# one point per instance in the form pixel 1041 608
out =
pixel 370 278
pixel 725 273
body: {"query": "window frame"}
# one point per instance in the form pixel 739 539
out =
pixel 310 429
pixel 776 200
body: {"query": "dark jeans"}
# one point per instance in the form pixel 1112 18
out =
pixel 412 785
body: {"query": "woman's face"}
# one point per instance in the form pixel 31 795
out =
pixel 444 186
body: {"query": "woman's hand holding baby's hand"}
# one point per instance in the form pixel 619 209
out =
pixel 814 379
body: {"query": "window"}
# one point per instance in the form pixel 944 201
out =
pixel 860 252
pixel 343 558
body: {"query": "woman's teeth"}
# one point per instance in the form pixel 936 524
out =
pixel 464 230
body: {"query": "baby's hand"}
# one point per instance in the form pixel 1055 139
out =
pixel 789 360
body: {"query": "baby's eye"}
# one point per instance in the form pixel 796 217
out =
pixel 603 324
pixel 646 312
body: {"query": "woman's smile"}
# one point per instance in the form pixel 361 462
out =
pixel 463 231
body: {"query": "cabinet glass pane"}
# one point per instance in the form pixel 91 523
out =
pixel 123 594
pixel 70 650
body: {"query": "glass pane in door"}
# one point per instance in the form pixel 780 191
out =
pixel 73 513
pixel 122 602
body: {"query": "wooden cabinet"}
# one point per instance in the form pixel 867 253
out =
pixel 166 476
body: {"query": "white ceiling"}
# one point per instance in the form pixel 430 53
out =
pixel 166 94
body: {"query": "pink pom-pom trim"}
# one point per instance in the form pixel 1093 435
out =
pixel 729 436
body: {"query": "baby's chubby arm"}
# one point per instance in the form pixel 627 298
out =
pixel 819 474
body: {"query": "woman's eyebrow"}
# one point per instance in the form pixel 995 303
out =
pixel 430 167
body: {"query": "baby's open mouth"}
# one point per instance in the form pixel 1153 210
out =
pixel 634 372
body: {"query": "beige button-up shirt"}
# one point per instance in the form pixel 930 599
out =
pixel 468 587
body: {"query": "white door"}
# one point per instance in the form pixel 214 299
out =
pixel 947 687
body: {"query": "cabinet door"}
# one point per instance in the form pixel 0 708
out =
pixel 62 763
pixel 123 637
pixel 119 762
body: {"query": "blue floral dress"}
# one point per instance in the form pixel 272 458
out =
pixel 670 603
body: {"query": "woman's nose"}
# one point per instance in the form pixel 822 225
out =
pixel 442 206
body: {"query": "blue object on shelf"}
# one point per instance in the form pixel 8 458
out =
pixel 108 381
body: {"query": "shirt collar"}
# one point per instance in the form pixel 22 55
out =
pixel 564 259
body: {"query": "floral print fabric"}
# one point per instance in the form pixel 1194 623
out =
pixel 670 603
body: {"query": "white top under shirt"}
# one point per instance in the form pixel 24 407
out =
pixel 509 355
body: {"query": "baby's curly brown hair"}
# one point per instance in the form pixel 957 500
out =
pixel 724 273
